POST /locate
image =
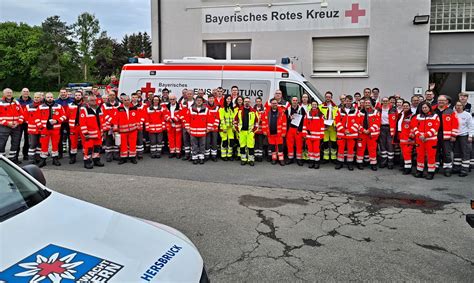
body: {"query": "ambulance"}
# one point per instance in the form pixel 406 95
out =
pixel 254 78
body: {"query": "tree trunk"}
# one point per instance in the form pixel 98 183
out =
pixel 85 72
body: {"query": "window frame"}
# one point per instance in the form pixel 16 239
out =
pixel 438 8
pixel 228 47
pixel 340 74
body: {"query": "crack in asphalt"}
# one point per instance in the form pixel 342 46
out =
pixel 441 249
pixel 343 210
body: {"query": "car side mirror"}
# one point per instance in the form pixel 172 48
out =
pixel 35 172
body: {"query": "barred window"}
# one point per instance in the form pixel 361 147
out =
pixel 452 15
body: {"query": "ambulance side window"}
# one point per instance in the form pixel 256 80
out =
pixel 290 90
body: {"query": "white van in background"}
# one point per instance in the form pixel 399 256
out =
pixel 255 78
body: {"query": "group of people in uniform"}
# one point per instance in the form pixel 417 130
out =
pixel 362 130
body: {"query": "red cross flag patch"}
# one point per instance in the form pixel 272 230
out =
pixel 448 118
pixel 430 124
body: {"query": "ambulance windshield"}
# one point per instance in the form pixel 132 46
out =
pixel 315 91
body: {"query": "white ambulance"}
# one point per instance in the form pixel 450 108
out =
pixel 255 78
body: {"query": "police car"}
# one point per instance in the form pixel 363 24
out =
pixel 49 237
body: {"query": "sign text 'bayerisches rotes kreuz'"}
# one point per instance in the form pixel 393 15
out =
pixel 339 14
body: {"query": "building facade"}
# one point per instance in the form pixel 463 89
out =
pixel 339 45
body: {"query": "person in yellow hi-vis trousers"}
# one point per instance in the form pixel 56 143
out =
pixel 246 124
pixel 226 130
pixel 329 110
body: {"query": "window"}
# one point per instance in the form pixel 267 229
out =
pixel 469 81
pixel 452 15
pixel 230 50
pixel 340 56
pixel 290 90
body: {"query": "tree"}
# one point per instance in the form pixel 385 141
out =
pixel 109 56
pixel 86 28
pixel 137 45
pixel 20 49
pixel 61 48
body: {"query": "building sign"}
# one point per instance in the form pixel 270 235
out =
pixel 339 14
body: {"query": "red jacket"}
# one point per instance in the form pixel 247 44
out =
pixel 126 123
pixel 155 119
pixel 109 111
pixel 213 126
pixel 72 114
pixel 347 122
pixel 260 111
pixel 450 122
pixel 197 121
pixel 219 102
pixel 406 131
pixel 31 116
pixel 426 125
pixel 92 122
pixel 373 122
pixel 10 112
pixel 281 122
pixel 175 121
pixel 282 104
pixel 57 114
pixel 313 125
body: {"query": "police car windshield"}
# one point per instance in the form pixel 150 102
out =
pixel 314 90
pixel 17 192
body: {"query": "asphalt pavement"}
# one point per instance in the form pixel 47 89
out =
pixel 273 223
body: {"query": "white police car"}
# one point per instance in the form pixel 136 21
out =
pixel 49 237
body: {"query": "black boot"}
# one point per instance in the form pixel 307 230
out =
pixel 56 161
pixel 98 163
pixel 171 155
pixel 251 163
pixel 72 159
pixel 406 171
pixel 88 164
pixel 133 160
pixel 373 167
pixel 214 158
pixel 447 172
pixel 201 161
pixel 390 165
pixel 289 161
pixel 316 164
pixel 350 166
pixel 123 160
pixel 311 164
pixel 195 161
pixel 463 173
pixel 419 174
pixel 282 163
pixel 360 166
pixel 243 163
pixel 299 162
pixel 42 163
pixel 429 176
pixel 274 162
pixel 339 165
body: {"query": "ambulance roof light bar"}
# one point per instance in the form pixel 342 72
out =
pixel 210 61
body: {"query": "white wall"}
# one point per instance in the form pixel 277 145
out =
pixel 398 50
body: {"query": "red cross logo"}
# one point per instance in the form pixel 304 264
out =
pixel 355 13
pixel 48 268
pixel 148 88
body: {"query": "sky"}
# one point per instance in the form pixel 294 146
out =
pixel 117 17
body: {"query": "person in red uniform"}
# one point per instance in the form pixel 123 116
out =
pixel 51 116
pixel 109 108
pixel 11 119
pixel 31 115
pixel 448 130
pixel 113 86
pixel 294 136
pixel 187 102
pixel 72 114
pixel 100 100
pixel 369 131
pixel 24 100
pixel 155 125
pixel 274 127
pixel 141 107
pixel 197 123
pixel 174 127
pixel 404 136
pixel 219 98
pixel 91 123
pixel 126 122
pixel 213 127
pixel 347 127
pixel 425 129
pixel 313 133
pixel 64 99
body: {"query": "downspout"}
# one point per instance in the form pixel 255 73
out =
pixel 159 31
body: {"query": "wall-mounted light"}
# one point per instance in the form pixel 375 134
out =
pixel 421 19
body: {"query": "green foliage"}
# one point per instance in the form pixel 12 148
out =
pixel 54 54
